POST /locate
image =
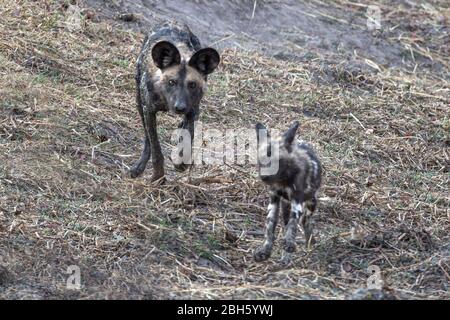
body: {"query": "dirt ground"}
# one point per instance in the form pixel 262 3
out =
pixel 293 30
pixel 374 104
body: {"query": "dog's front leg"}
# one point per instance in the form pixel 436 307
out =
pixel 188 124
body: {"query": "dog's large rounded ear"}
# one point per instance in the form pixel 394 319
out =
pixel 205 60
pixel 289 136
pixel 165 54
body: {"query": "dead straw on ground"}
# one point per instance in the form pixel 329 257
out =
pixel 69 131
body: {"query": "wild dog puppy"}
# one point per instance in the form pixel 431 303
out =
pixel 171 76
pixel 293 186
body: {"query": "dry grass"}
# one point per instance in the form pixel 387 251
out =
pixel 69 131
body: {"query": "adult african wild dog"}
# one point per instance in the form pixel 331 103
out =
pixel 293 187
pixel 171 76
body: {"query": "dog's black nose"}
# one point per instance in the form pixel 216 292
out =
pixel 180 107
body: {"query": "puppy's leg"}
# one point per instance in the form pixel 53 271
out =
pixel 264 252
pixel 306 221
pixel 286 211
pixel 291 227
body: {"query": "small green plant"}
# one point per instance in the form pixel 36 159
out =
pixel 123 63
pixel 213 243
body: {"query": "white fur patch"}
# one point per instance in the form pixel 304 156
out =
pixel 315 169
pixel 297 208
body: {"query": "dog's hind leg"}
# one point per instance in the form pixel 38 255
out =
pixel 306 222
pixel 157 156
pixel 139 166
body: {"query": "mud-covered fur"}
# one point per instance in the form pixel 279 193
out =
pixel 293 188
pixel 171 76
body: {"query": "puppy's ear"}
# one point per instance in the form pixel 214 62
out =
pixel 289 135
pixel 165 54
pixel 205 60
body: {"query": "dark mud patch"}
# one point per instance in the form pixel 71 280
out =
pixel 287 30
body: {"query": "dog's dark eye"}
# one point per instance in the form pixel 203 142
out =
pixel 172 83
pixel 192 85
